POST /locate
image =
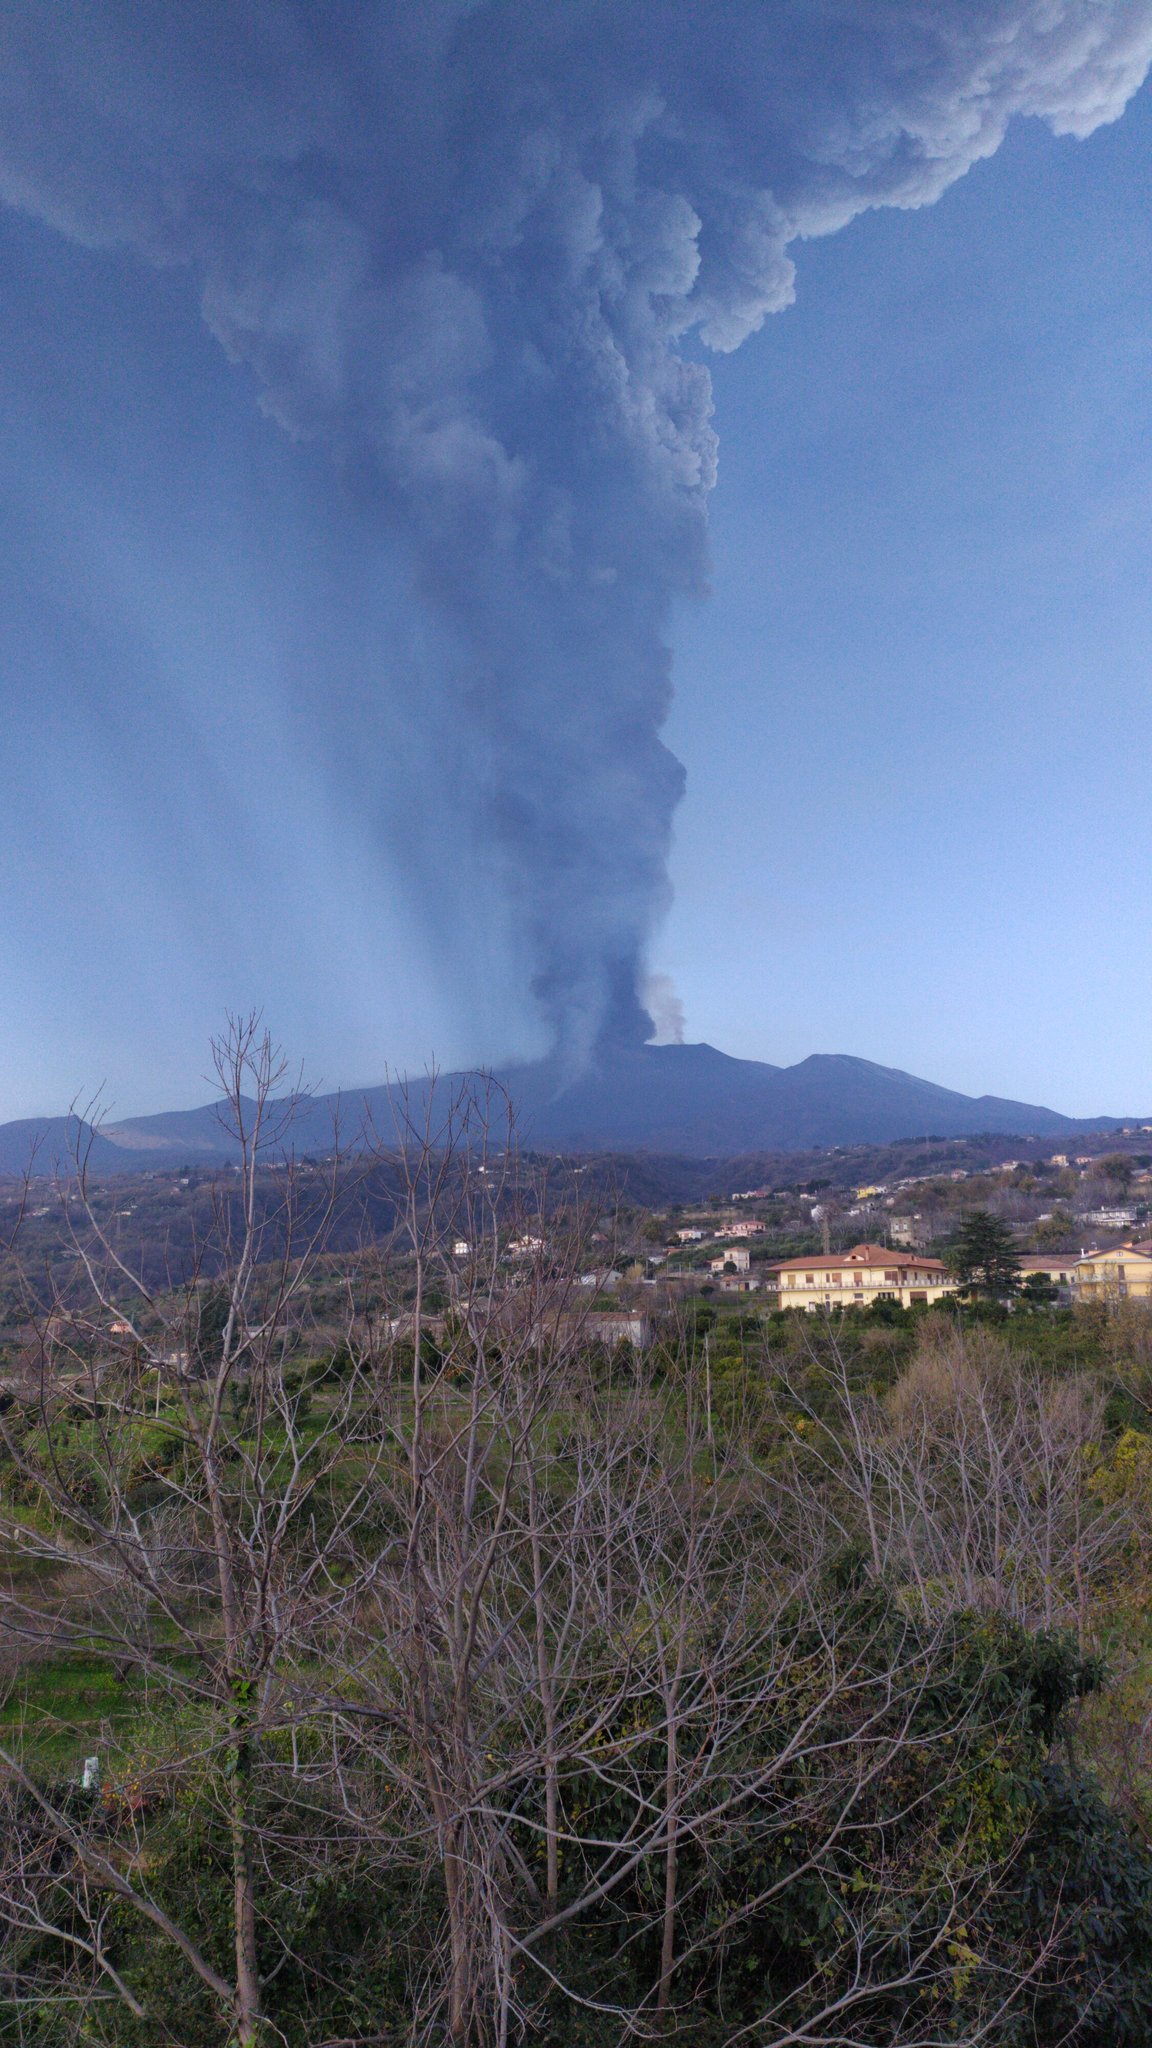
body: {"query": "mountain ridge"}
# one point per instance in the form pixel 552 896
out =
pixel 690 1100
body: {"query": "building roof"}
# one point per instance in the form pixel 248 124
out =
pixel 863 1255
pixel 1142 1250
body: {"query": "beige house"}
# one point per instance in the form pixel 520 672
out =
pixel 736 1255
pixel 855 1279
pixel 1059 1268
pixel 1124 1272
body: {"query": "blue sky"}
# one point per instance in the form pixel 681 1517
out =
pixel 913 710
pixel 916 712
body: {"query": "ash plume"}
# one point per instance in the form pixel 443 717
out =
pixel 476 248
pixel 658 994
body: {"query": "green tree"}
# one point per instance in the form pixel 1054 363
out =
pixel 1038 1288
pixel 984 1257
pixel 213 1310
pixel 1118 1167
pixel 1056 1232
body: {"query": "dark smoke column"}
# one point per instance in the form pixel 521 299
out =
pixel 464 244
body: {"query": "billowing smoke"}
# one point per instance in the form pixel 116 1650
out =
pixel 478 249
pixel 660 998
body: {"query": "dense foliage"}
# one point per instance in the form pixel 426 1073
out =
pixel 458 1675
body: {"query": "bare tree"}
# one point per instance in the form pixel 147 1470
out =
pixel 502 1608
pixel 599 1663
pixel 971 1482
pixel 163 1474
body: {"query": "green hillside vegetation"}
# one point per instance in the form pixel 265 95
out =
pixel 454 1672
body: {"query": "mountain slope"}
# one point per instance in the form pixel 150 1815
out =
pixel 693 1100
pixel 50 1144
pixel 689 1100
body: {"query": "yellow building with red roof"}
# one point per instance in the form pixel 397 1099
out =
pixel 855 1279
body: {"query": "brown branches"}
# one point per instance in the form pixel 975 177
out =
pixel 443 1598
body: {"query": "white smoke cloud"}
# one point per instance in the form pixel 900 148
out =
pixel 661 999
pixel 461 245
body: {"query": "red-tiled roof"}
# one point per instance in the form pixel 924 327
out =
pixel 862 1256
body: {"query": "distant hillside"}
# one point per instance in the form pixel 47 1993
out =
pixel 688 1100
pixel 49 1144
pixel 700 1103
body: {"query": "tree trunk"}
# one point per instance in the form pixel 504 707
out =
pixel 455 1886
pixel 671 1852
pixel 248 2001
pixel 547 1702
pixel 249 2012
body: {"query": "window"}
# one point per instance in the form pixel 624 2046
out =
pixel 890 1279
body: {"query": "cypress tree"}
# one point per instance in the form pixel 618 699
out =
pixel 984 1257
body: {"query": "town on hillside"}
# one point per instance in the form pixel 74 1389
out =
pixel 846 1229
pixel 354 1508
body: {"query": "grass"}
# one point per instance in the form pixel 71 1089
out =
pixel 59 1709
